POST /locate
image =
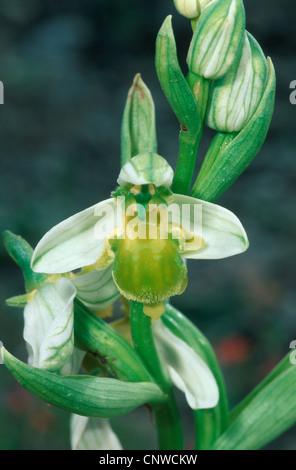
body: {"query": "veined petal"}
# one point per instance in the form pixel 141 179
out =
pixel 48 329
pixel 146 168
pixel 92 434
pixel 74 363
pixel 96 289
pixel 77 241
pixel 221 230
pixel 187 370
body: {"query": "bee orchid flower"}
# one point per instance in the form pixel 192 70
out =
pixel 142 234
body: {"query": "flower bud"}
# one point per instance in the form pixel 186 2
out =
pixel 217 38
pixel 138 133
pixel 188 8
pixel 234 98
pixel 146 168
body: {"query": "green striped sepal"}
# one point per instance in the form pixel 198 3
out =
pixel 234 98
pixel 138 132
pixel 83 394
pixel 217 39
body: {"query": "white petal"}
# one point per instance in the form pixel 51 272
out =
pixel 92 434
pixel 146 168
pixel 187 370
pixel 96 289
pixel 221 230
pixel 48 328
pixel 74 363
pixel 77 241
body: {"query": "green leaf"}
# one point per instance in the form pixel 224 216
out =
pixel 18 300
pixel 212 422
pixel 270 413
pixel 138 133
pixel 284 365
pixel 229 155
pixel 180 97
pixel 217 38
pixel 82 394
pixel 101 340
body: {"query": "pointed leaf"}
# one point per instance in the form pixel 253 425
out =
pixel 101 340
pixel 180 97
pixel 270 413
pixel 138 133
pixel 82 394
pixel 76 241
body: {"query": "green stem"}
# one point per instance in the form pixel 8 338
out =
pixel 166 415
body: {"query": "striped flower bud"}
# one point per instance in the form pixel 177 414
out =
pixel 188 8
pixel 217 38
pixel 234 98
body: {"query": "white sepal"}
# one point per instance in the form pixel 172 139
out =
pixel 221 230
pixel 77 241
pixel 92 434
pixel 96 289
pixel 48 329
pixel 187 370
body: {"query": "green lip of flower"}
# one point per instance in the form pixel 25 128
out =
pixel 144 270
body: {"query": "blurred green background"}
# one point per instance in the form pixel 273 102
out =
pixel 66 68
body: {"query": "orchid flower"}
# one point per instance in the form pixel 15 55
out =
pixel 143 233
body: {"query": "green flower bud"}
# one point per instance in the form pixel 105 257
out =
pixel 234 98
pixel 138 133
pixel 188 8
pixel 217 39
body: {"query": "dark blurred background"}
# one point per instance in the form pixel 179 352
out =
pixel 66 69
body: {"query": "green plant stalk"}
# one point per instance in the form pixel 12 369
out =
pixel 179 95
pixel 166 414
pixel 111 349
